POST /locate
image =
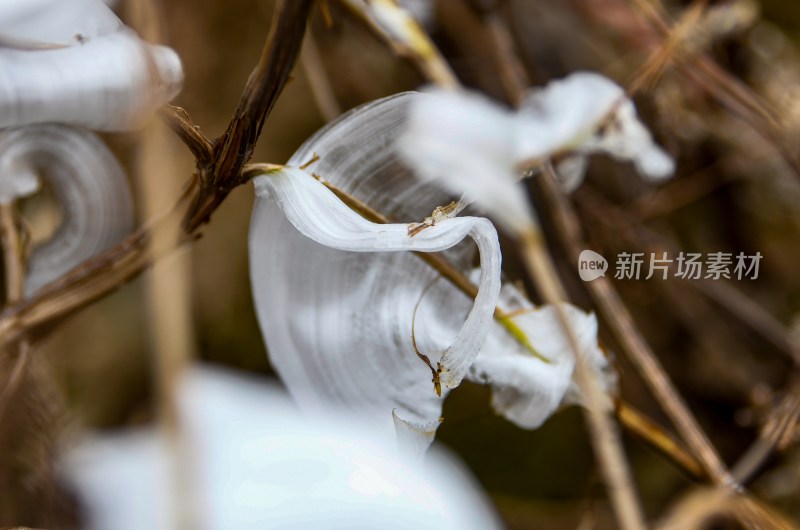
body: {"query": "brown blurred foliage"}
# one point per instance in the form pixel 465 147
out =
pixel 733 192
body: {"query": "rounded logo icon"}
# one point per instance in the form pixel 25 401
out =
pixel 591 265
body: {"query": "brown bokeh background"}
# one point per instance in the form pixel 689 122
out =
pixel 544 478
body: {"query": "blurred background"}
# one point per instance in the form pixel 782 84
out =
pixel 733 192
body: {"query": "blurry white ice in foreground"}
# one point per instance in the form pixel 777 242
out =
pixel 254 462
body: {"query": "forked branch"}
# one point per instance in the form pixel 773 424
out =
pixel 219 170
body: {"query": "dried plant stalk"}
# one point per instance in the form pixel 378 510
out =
pixel 637 349
pixel 219 170
pixel 605 436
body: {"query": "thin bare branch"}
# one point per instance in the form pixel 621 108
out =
pixel 729 92
pixel 512 73
pixel 652 433
pixel 622 325
pixel 13 248
pixel 701 506
pixel 652 69
pixel 605 437
pixel 17 375
pixel 722 293
pixel 214 179
pixel 181 124
pixel 235 147
pixel 782 423
pixel 13 254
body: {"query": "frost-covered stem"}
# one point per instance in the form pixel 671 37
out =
pixel 605 436
pixel 624 329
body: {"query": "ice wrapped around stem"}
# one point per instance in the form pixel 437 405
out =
pixel 337 296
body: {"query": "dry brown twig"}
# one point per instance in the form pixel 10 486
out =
pixel 626 333
pixel 701 69
pixel 723 294
pixel 701 506
pixel 785 415
pixel 167 285
pixel 509 67
pixel 29 405
pixel 617 316
pixel 219 170
pixel 640 425
pixel 604 433
pixel 219 166
pixel 605 296
pixel 678 193
pixel 776 433
pixel 652 69
pixel 726 90
pixel 13 245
